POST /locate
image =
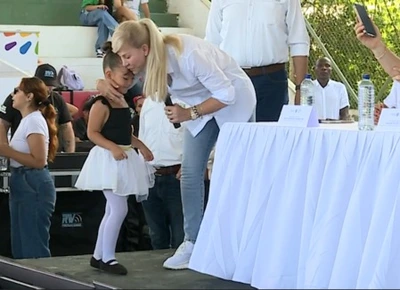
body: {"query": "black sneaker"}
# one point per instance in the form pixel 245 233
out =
pixel 95 263
pixel 113 267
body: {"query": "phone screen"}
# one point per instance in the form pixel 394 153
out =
pixel 364 18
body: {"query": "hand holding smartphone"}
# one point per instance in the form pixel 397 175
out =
pixel 363 17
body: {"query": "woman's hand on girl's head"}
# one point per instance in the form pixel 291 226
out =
pixel 108 88
pixel 118 153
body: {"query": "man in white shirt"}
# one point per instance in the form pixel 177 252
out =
pixel 330 97
pixel 392 101
pixel 163 208
pixel 258 35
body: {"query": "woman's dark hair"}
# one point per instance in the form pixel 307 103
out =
pixel 40 99
pixel 111 60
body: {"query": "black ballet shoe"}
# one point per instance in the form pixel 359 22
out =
pixel 116 269
pixel 95 263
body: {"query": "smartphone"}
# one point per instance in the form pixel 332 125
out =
pixel 364 18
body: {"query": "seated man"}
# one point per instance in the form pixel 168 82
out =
pixel 392 101
pixel 10 117
pixel 330 97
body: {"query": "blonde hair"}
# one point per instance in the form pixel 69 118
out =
pixel 145 32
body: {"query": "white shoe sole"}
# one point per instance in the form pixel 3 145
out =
pixel 178 267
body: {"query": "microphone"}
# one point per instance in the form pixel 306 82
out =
pixel 168 102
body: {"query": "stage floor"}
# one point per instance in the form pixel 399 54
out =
pixel 145 271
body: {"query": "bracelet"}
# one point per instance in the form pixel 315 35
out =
pixel 194 113
pixel 382 55
pixel 200 110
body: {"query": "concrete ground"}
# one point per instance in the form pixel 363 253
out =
pixel 144 272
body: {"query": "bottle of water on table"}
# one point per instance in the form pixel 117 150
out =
pixel 366 104
pixel 307 91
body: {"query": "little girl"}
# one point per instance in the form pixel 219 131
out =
pixel 113 166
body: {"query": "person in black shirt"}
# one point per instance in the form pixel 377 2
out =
pixel 10 117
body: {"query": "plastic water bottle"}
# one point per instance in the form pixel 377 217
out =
pixel 366 104
pixel 307 91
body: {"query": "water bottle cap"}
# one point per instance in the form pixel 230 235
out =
pixel 308 76
pixel 366 77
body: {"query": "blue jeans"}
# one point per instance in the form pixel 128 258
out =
pixel 272 93
pixel 32 201
pixel 105 23
pixel 196 151
pixel 163 212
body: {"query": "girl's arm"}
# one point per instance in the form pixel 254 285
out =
pixel 136 143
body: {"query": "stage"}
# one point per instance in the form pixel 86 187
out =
pixel 144 272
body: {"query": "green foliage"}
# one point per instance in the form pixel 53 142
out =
pixel 334 20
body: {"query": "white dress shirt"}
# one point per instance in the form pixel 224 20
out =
pixel 134 5
pixel 393 99
pixel 258 32
pixel 203 71
pixel 159 135
pixel 328 101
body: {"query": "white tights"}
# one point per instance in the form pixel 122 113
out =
pixel 116 210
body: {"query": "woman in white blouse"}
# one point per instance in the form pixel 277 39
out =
pixel 213 86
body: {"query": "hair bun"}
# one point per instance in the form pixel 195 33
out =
pixel 107 47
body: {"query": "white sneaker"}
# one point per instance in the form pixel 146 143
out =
pixel 180 260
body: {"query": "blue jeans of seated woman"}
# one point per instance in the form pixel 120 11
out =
pixel 196 151
pixel 32 201
pixel 105 23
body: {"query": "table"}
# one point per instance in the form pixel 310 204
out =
pixel 303 208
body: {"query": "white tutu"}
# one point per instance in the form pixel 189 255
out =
pixel 131 176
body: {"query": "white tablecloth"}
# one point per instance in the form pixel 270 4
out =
pixel 303 208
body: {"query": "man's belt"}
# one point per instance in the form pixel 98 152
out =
pixel 168 170
pixel 263 70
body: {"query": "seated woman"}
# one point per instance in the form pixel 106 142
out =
pixel 32 191
pixel 133 5
pixel 121 12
